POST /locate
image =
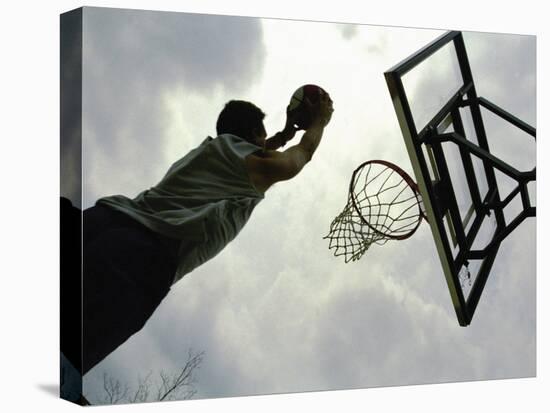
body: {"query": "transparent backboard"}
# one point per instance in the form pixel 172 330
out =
pixel 439 113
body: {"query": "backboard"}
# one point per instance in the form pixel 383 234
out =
pixel 440 116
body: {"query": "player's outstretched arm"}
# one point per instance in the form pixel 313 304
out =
pixel 270 167
pixel 281 138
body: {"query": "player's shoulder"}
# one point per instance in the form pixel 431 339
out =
pixel 261 161
pixel 265 154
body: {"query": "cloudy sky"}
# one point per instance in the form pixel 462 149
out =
pixel 276 311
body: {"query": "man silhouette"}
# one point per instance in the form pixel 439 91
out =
pixel 134 250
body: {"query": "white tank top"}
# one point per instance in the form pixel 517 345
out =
pixel 204 199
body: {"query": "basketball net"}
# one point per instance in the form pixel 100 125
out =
pixel 383 204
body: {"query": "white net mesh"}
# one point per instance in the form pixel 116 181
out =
pixel 383 204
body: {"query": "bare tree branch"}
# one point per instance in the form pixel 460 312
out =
pixel 172 386
pixel 113 390
pixel 178 386
pixel 142 393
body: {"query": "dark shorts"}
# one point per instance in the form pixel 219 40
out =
pixel 127 271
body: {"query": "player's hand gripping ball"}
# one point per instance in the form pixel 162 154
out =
pixel 298 110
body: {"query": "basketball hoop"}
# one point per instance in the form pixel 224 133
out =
pixel 383 204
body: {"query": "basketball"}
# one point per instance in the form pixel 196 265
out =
pixel 297 106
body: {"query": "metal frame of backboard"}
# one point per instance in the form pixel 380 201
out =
pixel 438 195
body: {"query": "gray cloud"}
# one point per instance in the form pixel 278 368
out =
pixel 132 58
pixel 144 50
pixel 503 66
pixel 71 107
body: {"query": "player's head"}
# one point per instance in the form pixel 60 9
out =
pixel 243 119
